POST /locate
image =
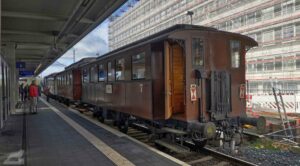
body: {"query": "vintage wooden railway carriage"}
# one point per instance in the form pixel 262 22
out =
pixel 187 77
pixel 66 85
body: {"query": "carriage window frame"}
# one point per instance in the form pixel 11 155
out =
pixel 235 59
pixel 84 79
pixel 200 53
pixel 122 70
pixel 102 68
pixel 134 68
pixel 110 71
pixel 93 73
pixel 70 78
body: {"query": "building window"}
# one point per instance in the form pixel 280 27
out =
pixel 85 75
pixel 269 65
pixel 268 13
pixel 268 36
pixel 101 73
pixel 298 61
pixel 259 65
pixel 277 10
pixel 288 31
pixel 120 69
pixel 198 52
pixel 251 18
pixel 278 33
pixel 278 63
pixel 288 7
pixel 289 63
pixel 110 72
pixel 235 53
pixel 258 37
pixel 138 66
pixel 297 4
pixel 251 67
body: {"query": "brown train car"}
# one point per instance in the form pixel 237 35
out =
pixel 49 82
pixel 68 82
pixel 188 78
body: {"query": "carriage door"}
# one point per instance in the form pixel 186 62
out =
pixel 174 79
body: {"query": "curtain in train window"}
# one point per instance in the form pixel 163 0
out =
pixel 138 66
pixel 235 53
pixel 101 73
pixel 110 72
pixel 120 69
pixel 197 52
pixel 85 75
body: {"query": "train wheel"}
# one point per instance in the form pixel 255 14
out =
pixel 200 144
pixel 123 126
pixel 198 140
pixel 238 138
pixel 101 119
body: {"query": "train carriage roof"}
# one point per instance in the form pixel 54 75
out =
pixel 164 34
pixel 80 63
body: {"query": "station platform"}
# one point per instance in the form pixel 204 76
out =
pixel 56 135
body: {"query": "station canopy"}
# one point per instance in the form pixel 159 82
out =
pixel 43 30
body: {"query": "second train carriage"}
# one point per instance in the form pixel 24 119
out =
pixel 66 85
pixel 186 77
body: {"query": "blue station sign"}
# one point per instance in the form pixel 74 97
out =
pixel 26 73
pixel 20 65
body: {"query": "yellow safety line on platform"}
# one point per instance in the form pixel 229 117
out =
pixel 114 156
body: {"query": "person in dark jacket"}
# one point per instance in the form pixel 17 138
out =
pixel 22 92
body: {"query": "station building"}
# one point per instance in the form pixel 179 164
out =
pixel 275 24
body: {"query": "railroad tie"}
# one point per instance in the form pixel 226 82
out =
pixel 222 163
pixel 206 158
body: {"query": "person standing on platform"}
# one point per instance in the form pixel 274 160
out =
pixel 26 91
pixel 33 95
pixel 47 92
pixel 22 92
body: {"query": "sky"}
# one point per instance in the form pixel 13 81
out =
pixel 92 45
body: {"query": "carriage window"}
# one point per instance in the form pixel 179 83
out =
pixel 120 69
pixel 70 78
pixel 138 66
pixel 101 73
pixel 85 76
pixel 94 76
pixel 235 53
pixel 198 52
pixel 67 79
pixel 110 72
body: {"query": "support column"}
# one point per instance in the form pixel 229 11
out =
pixel 9 54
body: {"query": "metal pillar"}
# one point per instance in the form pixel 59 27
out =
pixel 9 54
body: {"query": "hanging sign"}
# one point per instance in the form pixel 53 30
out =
pixel 193 92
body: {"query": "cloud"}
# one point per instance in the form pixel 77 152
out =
pixel 92 45
pixel 96 42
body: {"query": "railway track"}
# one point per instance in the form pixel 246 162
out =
pixel 204 157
